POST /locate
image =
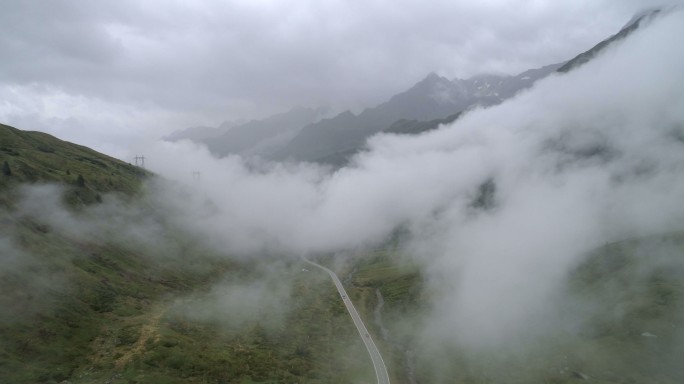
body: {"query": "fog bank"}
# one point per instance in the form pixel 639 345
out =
pixel 497 206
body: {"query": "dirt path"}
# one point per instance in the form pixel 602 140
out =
pixel 149 330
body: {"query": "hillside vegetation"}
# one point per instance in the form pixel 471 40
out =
pixel 36 157
pixel 117 293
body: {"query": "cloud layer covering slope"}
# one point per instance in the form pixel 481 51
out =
pixel 498 206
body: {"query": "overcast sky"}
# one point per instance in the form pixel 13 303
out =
pixel 111 73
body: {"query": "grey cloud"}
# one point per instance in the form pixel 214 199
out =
pixel 116 75
pixel 139 226
pixel 29 281
pixel 257 58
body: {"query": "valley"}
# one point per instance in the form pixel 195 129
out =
pixel 475 228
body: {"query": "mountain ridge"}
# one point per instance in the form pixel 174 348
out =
pixel 631 26
pixel 434 97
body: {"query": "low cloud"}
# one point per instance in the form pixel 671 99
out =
pixel 580 160
pixel 26 282
pixel 261 298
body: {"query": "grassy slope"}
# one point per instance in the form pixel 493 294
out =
pixel 314 344
pixel 36 157
pixel 97 310
pixel 115 321
pixel 101 289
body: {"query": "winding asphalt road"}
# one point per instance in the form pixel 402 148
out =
pixel 378 363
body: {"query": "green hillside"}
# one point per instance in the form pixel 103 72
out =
pixel 88 305
pixel 36 157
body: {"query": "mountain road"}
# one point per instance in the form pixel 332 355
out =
pixel 378 363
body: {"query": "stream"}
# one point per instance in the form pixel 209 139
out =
pixel 409 358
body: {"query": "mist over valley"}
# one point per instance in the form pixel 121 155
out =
pixel 486 227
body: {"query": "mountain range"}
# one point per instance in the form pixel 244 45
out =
pixel 434 97
pixel 258 137
pixel 303 134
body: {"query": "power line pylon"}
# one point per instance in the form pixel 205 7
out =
pixel 140 161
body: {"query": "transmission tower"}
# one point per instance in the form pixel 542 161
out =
pixel 140 161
